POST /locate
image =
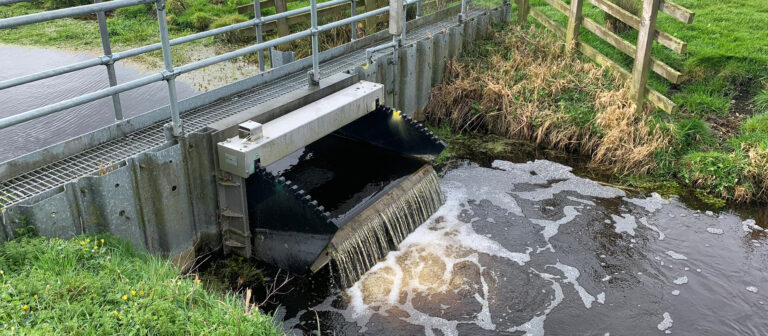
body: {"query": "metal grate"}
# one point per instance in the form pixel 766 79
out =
pixel 91 161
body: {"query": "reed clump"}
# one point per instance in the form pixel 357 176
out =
pixel 522 84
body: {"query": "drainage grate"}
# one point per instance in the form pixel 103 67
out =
pixel 91 161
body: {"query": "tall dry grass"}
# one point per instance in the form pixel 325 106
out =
pixel 515 86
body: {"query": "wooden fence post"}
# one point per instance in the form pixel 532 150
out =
pixel 283 29
pixel 645 39
pixel 523 7
pixel 574 24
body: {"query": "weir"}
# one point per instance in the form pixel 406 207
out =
pixel 268 167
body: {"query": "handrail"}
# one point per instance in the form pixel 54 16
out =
pixel 104 60
pixel 170 72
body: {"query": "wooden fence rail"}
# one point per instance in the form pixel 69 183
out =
pixel 641 53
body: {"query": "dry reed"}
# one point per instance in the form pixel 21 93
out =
pixel 514 86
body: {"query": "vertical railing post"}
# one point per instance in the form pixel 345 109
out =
pixel 105 45
pixel 574 24
pixel 314 75
pixel 418 8
pixel 168 74
pixel 353 25
pixel 259 38
pixel 463 14
pixel 645 37
pixel 523 8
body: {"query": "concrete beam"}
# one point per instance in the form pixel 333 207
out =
pixel 290 132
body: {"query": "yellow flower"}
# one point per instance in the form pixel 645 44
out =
pixel 125 297
pixel 25 307
pixel 197 281
pixel 95 247
pixel 82 243
pixel 141 293
pixel 102 240
pixel 87 240
pixel 114 312
pixel 35 296
pixel 47 286
pixel 133 292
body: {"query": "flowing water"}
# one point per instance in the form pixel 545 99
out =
pixel 371 242
pixel 533 249
pixel 30 136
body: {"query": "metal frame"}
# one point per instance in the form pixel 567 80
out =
pixel 175 127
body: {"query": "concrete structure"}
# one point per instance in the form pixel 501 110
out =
pixel 164 193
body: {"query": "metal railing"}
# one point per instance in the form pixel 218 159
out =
pixel 174 128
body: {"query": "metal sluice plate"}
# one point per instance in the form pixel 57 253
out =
pixel 298 204
pixel 102 157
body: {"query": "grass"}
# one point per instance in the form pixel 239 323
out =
pixel 100 285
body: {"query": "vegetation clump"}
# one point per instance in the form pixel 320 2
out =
pixel 522 85
pixel 100 285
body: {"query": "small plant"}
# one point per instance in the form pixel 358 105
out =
pixel 720 173
pixel 693 134
pixel 761 101
pixel 237 36
pixel 201 21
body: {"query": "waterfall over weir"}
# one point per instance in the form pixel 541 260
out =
pixel 391 220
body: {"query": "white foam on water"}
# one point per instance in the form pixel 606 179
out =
pixel 675 292
pixel 571 276
pixel 644 221
pixel 666 323
pixel 750 225
pixel 551 227
pixel 650 204
pixel 606 278
pixel 676 255
pixel 601 298
pixel 548 171
pixel 681 280
pixel 624 224
pixel 715 231
pixel 752 289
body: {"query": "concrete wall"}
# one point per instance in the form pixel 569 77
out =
pixel 165 201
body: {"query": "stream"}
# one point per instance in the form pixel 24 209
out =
pixel 533 249
pixel 30 136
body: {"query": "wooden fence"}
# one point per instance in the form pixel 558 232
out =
pixel 283 26
pixel 646 26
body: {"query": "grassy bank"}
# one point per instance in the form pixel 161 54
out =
pixel 100 285
pixel 521 85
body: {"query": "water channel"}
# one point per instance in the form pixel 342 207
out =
pixel 531 248
pixel 30 136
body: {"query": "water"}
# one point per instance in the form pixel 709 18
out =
pixel 353 257
pixel 33 135
pixel 532 249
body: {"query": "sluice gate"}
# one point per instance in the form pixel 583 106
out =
pixel 317 183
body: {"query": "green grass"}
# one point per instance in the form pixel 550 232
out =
pixel 89 286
